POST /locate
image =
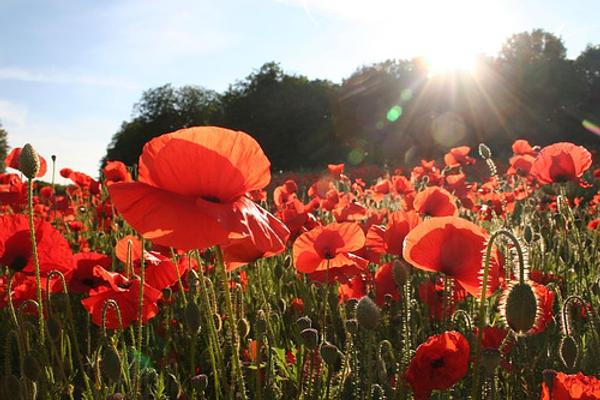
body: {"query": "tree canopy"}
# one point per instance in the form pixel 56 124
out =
pixel 392 111
pixel 3 147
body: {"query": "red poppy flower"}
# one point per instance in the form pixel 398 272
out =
pixel 15 252
pixel 453 246
pixel 493 337
pixel 12 161
pixel 327 250
pixel 522 147
pixel 438 364
pixel 545 302
pixel 521 165
pixel 115 171
pixel 390 239
pixel 458 156
pixel 562 162
pixel 126 293
pixel 83 276
pixel 355 288
pixel 385 284
pixel 123 246
pixel 160 271
pixel 435 202
pixel 571 387
pixel 336 169
pixel 192 190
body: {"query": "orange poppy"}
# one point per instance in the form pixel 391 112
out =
pixel 458 156
pixel 452 246
pixel 562 162
pixel 191 190
pixel 381 239
pixel 435 202
pixel 329 249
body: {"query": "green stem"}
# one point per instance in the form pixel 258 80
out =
pixel 36 263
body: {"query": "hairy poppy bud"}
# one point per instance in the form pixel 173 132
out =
pixel 111 364
pixel 29 161
pixel 330 353
pixel 243 327
pixel 400 272
pixel 520 308
pixel 568 351
pixel 303 323
pixel 192 317
pixel 200 382
pixel 310 338
pixel 484 151
pixel 528 234
pixel 367 313
pixel 261 323
pixel 31 368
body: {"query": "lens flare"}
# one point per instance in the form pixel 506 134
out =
pixel 590 126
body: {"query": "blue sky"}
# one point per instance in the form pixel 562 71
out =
pixel 71 70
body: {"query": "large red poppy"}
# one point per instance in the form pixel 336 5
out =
pixel 571 387
pixel 435 202
pixel 389 239
pixel 562 162
pixel 438 364
pixel 452 246
pixel 192 187
pixel 329 250
pixel 12 160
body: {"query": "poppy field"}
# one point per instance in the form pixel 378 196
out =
pixel 196 274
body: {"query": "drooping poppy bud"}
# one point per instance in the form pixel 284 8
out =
pixel 111 364
pixel 520 308
pixel 367 313
pixel 568 351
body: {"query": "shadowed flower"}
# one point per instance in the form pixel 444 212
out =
pixel 435 202
pixel 191 192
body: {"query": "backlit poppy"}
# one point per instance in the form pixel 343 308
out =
pixel 452 246
pixel 570 387
pixel 328 250
pixel 438 364
pixel 114 172
pixel 458 156
pixel 435 202
pixel 191 191
pixel 562 162
pixel 389 239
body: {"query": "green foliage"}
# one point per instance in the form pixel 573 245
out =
pixel 3 147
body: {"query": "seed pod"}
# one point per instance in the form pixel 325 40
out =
pixel 330 353
pixel 200 382
pixel 400 272
pixel 520 308
pixel 29 161
pixel 243 327
pixel 568 351
pixel 31 368
pixel 368 314
pixel 111 364
pixel 310 338
pixel 303 323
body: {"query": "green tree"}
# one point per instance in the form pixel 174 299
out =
pixel 161 110
pixel 3 147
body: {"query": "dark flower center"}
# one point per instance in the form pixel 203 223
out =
pixel 437 363
pixel 329 254
pixel 212 199
pixel 18 263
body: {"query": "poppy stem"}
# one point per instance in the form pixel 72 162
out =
pixel 234 337
pixel 36 263
pixel 138 356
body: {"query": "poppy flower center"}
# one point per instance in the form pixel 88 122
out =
pixel 329 254
pixel 124 284
pixel 18 263
pixel 211 199
pixel 437 363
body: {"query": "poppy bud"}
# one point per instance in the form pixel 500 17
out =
pixel 243 327
pixel 53 157
pixel 303 323
pixel 29 161
pixel 367 313
pixel 31 368
pixel 192 317
pixel 200 382
pixel 261 323
pixel 116 396
pixel 111 364
pixel 484 151
pixel 568 351
pixel 11 386
pixel 528 234
pixel 330 353
pixel 520 308
pixel 310 338
pixel 400 272
pixel 352 326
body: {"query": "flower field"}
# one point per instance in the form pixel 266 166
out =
pixel 197 275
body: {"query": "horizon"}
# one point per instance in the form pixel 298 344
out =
pixel 71 73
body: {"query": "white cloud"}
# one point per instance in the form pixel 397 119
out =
pixel 12 114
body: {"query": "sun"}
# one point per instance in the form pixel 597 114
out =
pixel 454 60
